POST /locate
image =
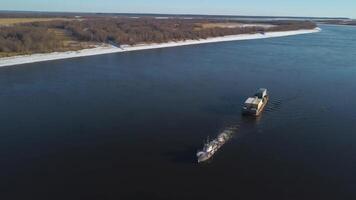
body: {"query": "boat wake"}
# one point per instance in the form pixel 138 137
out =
pixel 273 106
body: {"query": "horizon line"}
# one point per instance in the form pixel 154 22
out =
pixel 175 14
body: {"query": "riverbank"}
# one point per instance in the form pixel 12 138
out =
pixel 107 49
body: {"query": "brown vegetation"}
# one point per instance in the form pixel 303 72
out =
pixel 27 39
pixel 149 30
pixel 57 35
pixel 12 21
pixel 18 40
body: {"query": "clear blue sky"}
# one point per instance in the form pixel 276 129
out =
pixel 329 8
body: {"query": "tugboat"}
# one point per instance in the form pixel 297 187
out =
pixel 254 105
pixel 211 147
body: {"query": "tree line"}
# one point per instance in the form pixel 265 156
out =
pixel 38 37
pixel 27 39
pixel 148 30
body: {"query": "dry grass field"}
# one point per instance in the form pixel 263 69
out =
pixel 220 25
pixel 231 25
pixel 12 21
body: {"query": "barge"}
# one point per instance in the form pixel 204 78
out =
pixel 254 106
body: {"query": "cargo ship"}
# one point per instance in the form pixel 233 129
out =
pixel 254 106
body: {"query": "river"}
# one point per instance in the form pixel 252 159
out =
pixel 128 125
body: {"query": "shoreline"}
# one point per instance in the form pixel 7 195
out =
pixel 108 49
pixel 343 25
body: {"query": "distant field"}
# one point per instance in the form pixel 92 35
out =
pixel 12 21
pixel 233 25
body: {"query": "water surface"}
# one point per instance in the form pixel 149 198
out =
pixel 127 126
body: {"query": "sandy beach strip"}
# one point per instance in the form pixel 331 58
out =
pixel 107 49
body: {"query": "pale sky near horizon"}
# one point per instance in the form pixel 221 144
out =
pixel 310 8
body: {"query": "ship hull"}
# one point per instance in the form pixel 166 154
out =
pixel 205 158
pixel 207 155
pixel 212 147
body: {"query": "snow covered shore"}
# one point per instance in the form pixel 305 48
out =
pixel 106 49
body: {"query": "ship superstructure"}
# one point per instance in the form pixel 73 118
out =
pixel 254 105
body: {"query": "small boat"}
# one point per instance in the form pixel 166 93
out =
pixel 254 106
pixel 211 147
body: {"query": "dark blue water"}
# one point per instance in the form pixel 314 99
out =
pixel 127 126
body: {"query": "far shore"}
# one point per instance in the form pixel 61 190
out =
pixel 107 49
